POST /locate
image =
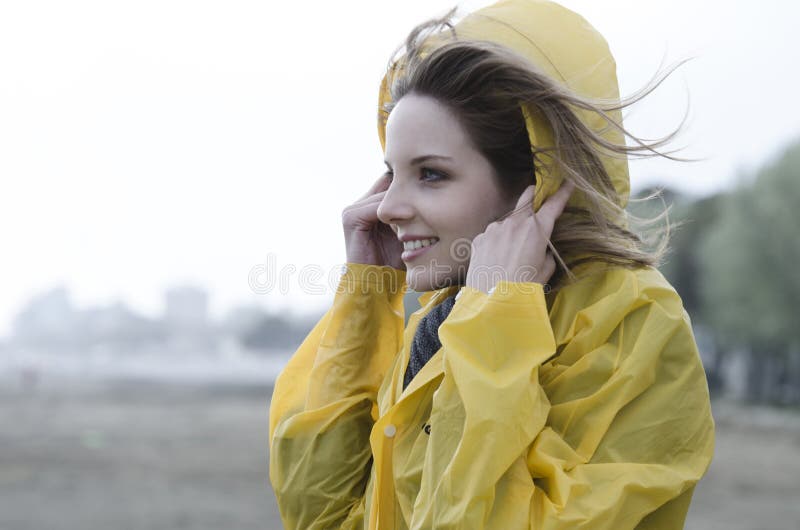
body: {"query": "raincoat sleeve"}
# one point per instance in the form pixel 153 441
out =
pixel 614 433
pixel 324 402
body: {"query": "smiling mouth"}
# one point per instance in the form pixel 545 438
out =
pixel 414 252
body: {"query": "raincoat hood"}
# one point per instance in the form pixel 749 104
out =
pixel 564 46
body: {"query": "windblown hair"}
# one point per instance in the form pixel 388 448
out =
pixel 485 84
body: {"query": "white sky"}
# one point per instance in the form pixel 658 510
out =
pixel 152 143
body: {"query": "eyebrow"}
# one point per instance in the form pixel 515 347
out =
pixel 423 158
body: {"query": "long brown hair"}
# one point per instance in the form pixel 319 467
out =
pixel 485 84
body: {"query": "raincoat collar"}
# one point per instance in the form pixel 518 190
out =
pixel 437 295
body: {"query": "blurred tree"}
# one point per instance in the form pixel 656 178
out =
pixel 682 263
pixel 750 284
pixel 275 332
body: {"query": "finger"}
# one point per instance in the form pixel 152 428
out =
pixel 554 206
pixel 369 199
pixel 365 211
pixel 525 198
pixel 380 184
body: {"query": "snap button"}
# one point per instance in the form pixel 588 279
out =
pixel 344 269
pixel 390 430
pixel 491 290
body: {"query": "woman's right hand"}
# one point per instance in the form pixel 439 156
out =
pixel 367 239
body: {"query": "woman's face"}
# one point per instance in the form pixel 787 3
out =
pixel 441 188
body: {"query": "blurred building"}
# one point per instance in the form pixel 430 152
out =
pixel 49 322
pixel 187 322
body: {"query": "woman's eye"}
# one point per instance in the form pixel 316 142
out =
pixel 426 174
pixel 431 174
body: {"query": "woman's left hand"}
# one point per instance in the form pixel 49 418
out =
pixel 515 248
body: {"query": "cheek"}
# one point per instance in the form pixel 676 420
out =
pixel 467 214
pixel 459 250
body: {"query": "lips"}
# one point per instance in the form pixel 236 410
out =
pixel 413 237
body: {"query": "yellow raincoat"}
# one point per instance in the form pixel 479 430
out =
pixel 586 408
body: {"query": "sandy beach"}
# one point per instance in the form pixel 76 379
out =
pixel 134 454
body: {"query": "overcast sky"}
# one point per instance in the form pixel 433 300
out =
pixel 153 143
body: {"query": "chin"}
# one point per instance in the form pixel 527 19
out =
pixel 415 284
pixel 419 280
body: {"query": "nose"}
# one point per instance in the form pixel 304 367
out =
pixel 395 208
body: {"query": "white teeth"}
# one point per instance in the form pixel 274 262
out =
pixel 419 243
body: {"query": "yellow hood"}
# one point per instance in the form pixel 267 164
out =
pixel 567 48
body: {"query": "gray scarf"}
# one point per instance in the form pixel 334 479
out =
pixel 426 339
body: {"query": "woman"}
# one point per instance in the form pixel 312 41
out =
pixel 550 378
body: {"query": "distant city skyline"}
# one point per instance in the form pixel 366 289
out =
pixel 50 323
pixel 171 143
